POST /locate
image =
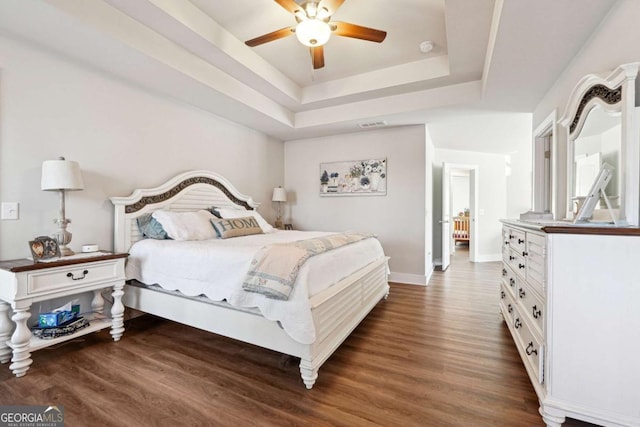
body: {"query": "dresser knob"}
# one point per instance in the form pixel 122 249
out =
pixel 512 281
pixel 510 308
pixel 520 241
pixel 517 323
pixel 531 350
pixel 502 295
pixel 504 271
pixel 536 313
pixel 525 253
pixel 84 274
pixel 511 257
pixel 521 266
pixel 522 293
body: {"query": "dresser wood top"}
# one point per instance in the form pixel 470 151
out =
pixel 25 264
pixel 558 227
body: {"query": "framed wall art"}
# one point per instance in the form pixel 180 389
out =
pixel 354 178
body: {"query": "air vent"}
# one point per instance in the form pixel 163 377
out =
pixel 377 124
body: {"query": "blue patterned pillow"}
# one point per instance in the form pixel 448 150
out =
pixel 151 228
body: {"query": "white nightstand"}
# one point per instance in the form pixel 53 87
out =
pixel 23 282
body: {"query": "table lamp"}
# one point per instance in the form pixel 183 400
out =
pixel 279 196
pixel 61 175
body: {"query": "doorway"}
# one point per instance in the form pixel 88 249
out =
pixel 465 193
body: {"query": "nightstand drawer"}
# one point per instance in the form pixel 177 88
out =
pixel 71 276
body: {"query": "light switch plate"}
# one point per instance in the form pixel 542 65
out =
pixel 9 210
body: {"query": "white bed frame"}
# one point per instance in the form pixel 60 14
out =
pixel 336 311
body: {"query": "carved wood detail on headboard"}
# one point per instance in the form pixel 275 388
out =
pixel 158 198
pixel 609 96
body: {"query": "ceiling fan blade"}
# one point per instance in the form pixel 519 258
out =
pixel 290 5
pixel 346 29
pixel 278 34
pixel 331 6
pixel 317 56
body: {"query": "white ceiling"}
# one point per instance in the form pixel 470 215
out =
pixel 490 58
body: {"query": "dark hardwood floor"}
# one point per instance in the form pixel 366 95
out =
pixel 438 355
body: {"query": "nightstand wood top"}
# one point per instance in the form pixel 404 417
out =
pixel 25 264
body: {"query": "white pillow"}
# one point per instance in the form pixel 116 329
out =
pixel 186 225
pixel 228 213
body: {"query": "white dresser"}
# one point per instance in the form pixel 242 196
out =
pixel 571 299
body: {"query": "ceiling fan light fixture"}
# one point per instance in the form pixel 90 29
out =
pixel 313 32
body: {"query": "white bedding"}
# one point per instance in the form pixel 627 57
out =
pixel 216 268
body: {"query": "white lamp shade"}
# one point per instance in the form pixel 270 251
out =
pixel 61 174
pixel 313 32
pixel 279 195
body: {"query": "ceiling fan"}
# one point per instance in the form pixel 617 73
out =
pixel 314 27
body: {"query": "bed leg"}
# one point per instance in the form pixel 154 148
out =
pixel 308 373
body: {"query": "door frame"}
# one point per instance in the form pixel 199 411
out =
pixel 473 205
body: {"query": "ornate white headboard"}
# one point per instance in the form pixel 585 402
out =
pixel 189 191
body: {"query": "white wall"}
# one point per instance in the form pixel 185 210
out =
pixel 122 136
pixel 397 218
pixel 492 199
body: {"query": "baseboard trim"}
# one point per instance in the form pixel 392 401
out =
pixel 409 279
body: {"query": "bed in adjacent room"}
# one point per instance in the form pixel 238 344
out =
pixel 299 293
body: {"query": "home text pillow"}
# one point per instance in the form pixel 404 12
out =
pixel 186 225
pixel 150 227
pixel 239 213
pixel 234 227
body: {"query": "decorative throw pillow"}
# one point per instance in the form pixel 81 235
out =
pixel 150 227
pixel 234 227
pixel 186 225
pixel 214 211
pixel 239 213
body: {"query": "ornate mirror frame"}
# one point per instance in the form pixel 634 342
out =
pixel 615 93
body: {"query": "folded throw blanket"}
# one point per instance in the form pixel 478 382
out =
pixel 275 267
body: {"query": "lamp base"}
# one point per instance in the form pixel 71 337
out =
pixel 63 237
pixel 279 225
pixel 65 251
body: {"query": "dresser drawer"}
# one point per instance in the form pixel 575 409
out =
pixel 517 240
pixel 532 348
pixel 536 311
pixel 72 276
pixel 536 252
pixel 510 280
pixel 507 305
pixel 517 263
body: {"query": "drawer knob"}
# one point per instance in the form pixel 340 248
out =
pixel 522 293
pixel 536 313
pixel 510 308
pixel 502 295
pixel 517 323
pixel 525 253
pixel 531 350
pixel 520 241
pixel 511 257
pixel 504 271
pixel 520 266
pixel 511 236
pixel 512 281
pixel 84 274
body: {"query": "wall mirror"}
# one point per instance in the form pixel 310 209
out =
pixel 601 125
pixel 599 142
